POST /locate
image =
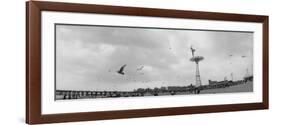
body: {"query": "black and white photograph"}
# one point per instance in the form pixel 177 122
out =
pixel 100 61
pixel 91 61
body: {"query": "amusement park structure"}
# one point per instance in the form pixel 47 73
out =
pixel 196 59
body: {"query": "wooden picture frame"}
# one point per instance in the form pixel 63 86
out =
pixel 33 62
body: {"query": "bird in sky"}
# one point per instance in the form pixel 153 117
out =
pixel 230 55
pixel 192 50
pixel 138 69
pixel 121 70
pixel 243 56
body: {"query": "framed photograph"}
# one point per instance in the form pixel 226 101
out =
pixel 94 62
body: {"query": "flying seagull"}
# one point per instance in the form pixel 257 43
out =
pixel 192 50
pixel 243 56
pixel 121 70
pixel 138 69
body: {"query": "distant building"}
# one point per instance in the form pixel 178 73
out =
pixel 217 82
pixel 248 78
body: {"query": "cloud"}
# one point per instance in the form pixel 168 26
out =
pixel 89 56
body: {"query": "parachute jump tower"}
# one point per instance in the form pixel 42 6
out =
pixel 196 59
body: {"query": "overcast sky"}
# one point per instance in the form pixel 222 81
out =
pixel 87 57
